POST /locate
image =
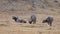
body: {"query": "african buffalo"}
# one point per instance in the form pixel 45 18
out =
pixel 32 19
pixel 48 20
pixel 16 19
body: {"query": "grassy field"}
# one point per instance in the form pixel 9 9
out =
pixel 9 26
pixel 23 9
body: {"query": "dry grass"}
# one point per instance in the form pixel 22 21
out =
pixel 23 9
pixel 8 26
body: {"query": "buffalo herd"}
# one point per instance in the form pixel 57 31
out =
pixel 33 20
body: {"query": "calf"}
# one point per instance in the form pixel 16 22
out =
pixel 48 20
pixel 16 19
pixel 32 19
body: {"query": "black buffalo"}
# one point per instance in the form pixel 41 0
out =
pixel 32 19
pixel 16 19
pixel 48 20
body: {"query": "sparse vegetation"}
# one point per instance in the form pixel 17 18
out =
pixel 20 8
